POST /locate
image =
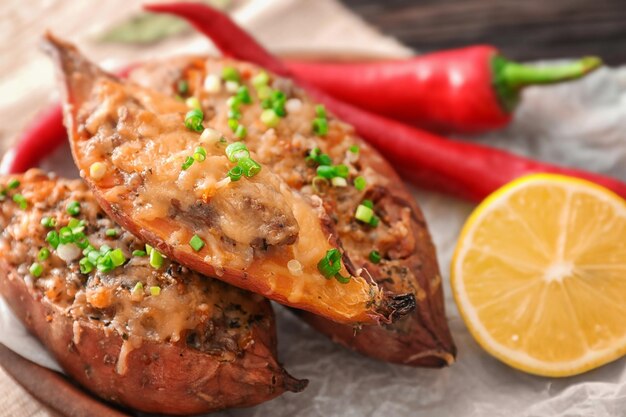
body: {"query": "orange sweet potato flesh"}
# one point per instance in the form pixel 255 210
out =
pixel 251 228
pixel 408 260
pixel 199 346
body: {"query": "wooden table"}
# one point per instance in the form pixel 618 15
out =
pixel 523 29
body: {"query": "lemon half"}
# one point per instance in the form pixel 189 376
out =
pixel 539 275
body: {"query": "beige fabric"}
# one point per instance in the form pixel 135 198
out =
pixel 26 75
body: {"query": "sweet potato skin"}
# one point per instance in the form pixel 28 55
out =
pixel 160 376
pixel 421 338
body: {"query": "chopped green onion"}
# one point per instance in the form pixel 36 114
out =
pixel 360 183
pixel 364 213
pixel 316 155
pixel 3 194
pixel 199 154
pixel 155 291
pixel 196 243
pixel 339 182
pixel 234 114
pixel 43 254
pixel 156 259
pixel 368 203
pixel 236 151
pixel 193 103
pixel 330 264
pixel 111 232
pixel 193 120
pixel 241 132
pixel 36 270
pixel 374 221
pixel 375 256
pixel 235 173
pixel 326 171
pixel 138 288
pixel 187 163
pixel 117 256
pixel 341 278
pixel 88 249
pixel 139 253
pixel 104 249
pixel 270 118
pixel 21 201
pixel 233 103
pixel 66 235
pixel 260 80
pixel 230 74
pixel 85 266
pixel 233 124
pixel 249 167
pixel 76 225
pixel 320 126
pixel 93 256
pixel 265 92
pixel 73 208
pixel 13 184
pixel 342 171
pixel 97 170
pixel 243 94
pixel 354 149
pixel 105 263
pixel 53 238
pixel 320 111
pixel 48 222
pixel 149 249
pixel 319 184
pixel 278 96
pixel 183 87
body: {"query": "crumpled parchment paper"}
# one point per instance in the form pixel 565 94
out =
pixel 582 124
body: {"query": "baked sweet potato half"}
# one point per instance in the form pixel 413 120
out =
pixel 137 330
pixel 185 190
pixel 397 252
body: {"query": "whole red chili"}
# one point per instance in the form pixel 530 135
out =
pixel 43 135
pixel 467 90
pixel 463 169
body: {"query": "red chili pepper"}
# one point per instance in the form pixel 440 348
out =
pixel 463 169
pixel 467 90
pixel 43 135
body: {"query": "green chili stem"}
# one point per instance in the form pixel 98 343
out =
pixel 511 77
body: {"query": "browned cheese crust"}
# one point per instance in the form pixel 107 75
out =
pixel 197 346
pixel 408 262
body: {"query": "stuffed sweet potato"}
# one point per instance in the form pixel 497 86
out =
pixel 135 329
pixel 396 249
pixel 204 201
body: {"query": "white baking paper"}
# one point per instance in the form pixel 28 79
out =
pixel 582 124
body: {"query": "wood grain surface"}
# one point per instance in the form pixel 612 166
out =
pixel 523 29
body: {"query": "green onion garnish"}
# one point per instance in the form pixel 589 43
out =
pixel 236 151
pixel 66 235
pixel 21 201
pixel 43 254
pixel 36 270
pixel 3 194
pixel 326 171
pixel 53 238
pixel 316 155
pixel 93 256
pixel 249 167
pixel 374 256
pixel 342 279
pixel 73 208
pixel 243 94
pixel 85 266
pixel 117 256
pixel 155 291
pixel 233 124
pixel 241 132
pixel 104 249
pixel 199 154
pixel 149 249
pixel 235 173
pixel 260 80
pixel 368 203
pixel 111 232
pixel 374 222
pixel 48 222
pixel 13 184
pixel 196 243
pixel 193 103
pixel 360 183
pixel 234 114
pixel 156 259
pixel 193 120
pixel 354 149
pixel 270 118
pixel 76 225
pixel 330 264
pixel 264 92
pixel 230 74
pixel 105 263
pixel 364 213
pixel 319 184
pixel 187 163
pixel 339 182
pixel 139 253
pixel 183 87
pixel 138 288
pixel 320 111
pixel 320 126
pixel 342 171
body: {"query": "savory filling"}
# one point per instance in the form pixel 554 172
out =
pixel 56 238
